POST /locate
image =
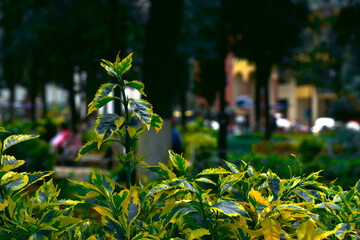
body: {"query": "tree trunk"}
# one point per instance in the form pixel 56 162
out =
pixel 263 73
pixel 159 70
pixel 160 54
pixel 33 85
pixel 222 118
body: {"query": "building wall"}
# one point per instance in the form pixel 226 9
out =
pixel 287 91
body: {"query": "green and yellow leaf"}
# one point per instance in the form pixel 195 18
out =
pixel 342 229
pixel 9 163
pixel 86 148
pixel 229 208
pixel 197 233
pixel 271 229
pixel 124 65
pixel 101 97
pixel 131 206
pixel 143 110
pixel 106 125
pixel 109 67
pixel 137 85
pixel 156 122
pixel 12 181
pixel 15 139
pixel 178 162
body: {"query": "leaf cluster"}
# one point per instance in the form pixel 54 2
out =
pixel 234 202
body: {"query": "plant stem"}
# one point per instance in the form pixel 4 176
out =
pixel 125 101
pixel 207 225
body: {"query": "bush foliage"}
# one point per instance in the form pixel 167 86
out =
pixel 230 202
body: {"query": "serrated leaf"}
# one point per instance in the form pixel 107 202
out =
pixel 177 212
pixel 15 139
pixel 304 195
pixel 47 192
pixel 274 184
pixel 178 162
pixel 230 180
pixel 125 64
pixel 188 186
pixel 256 195
pixel 230 208
pixel 232 167
pixel 100 103
pixel 3 130
pixel 86 148
pixel 214 171
pixel 102 182
pixel 163 170
pixel 9 163
pixel 105 126
pixel 37 176
pixel 109 67
pixel 342 229
pixel 205 180
pixel 12 181
pixel 103 211
pixel 119 198
pixel 137 85
pixel 131 206
pixel 156 122
pixel 113 228
pixel 271 229
pixel 197 233
pixel 101 96
pixel 165 185
pixel 143 110
pixel 306 231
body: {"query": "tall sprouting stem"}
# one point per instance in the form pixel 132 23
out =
pixel 108 124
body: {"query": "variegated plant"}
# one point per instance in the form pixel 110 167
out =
pixel 25 214
pixel 233 203
pixel 109 125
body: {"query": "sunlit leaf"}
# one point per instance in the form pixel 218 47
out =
pixel 143 110
pixel 100 103
pixel 216 171
pixel 101 97
pixel 86 148
pixel 197 233
pixel 106 124
pixel 306 231
pixel 342 229
pixel 229 208
pixel 15 139
pixel 271 229
pixel 13 181
pixel 137 85
pixel 109 67
pixel 124 65
pixel 9 163
pixel 178 162
pixel 156 122
pixel 131 206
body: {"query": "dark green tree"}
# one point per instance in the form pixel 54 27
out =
pixel 264 32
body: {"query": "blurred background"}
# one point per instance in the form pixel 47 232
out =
pixel 233 79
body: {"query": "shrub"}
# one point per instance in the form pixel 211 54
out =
pixel 235 202
pixel 200 144
pixel 310 147
pixel 37 154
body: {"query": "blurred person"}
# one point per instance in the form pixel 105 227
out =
pixel 66 140
pixel 176 138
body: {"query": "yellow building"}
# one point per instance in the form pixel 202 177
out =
pixel 303 103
